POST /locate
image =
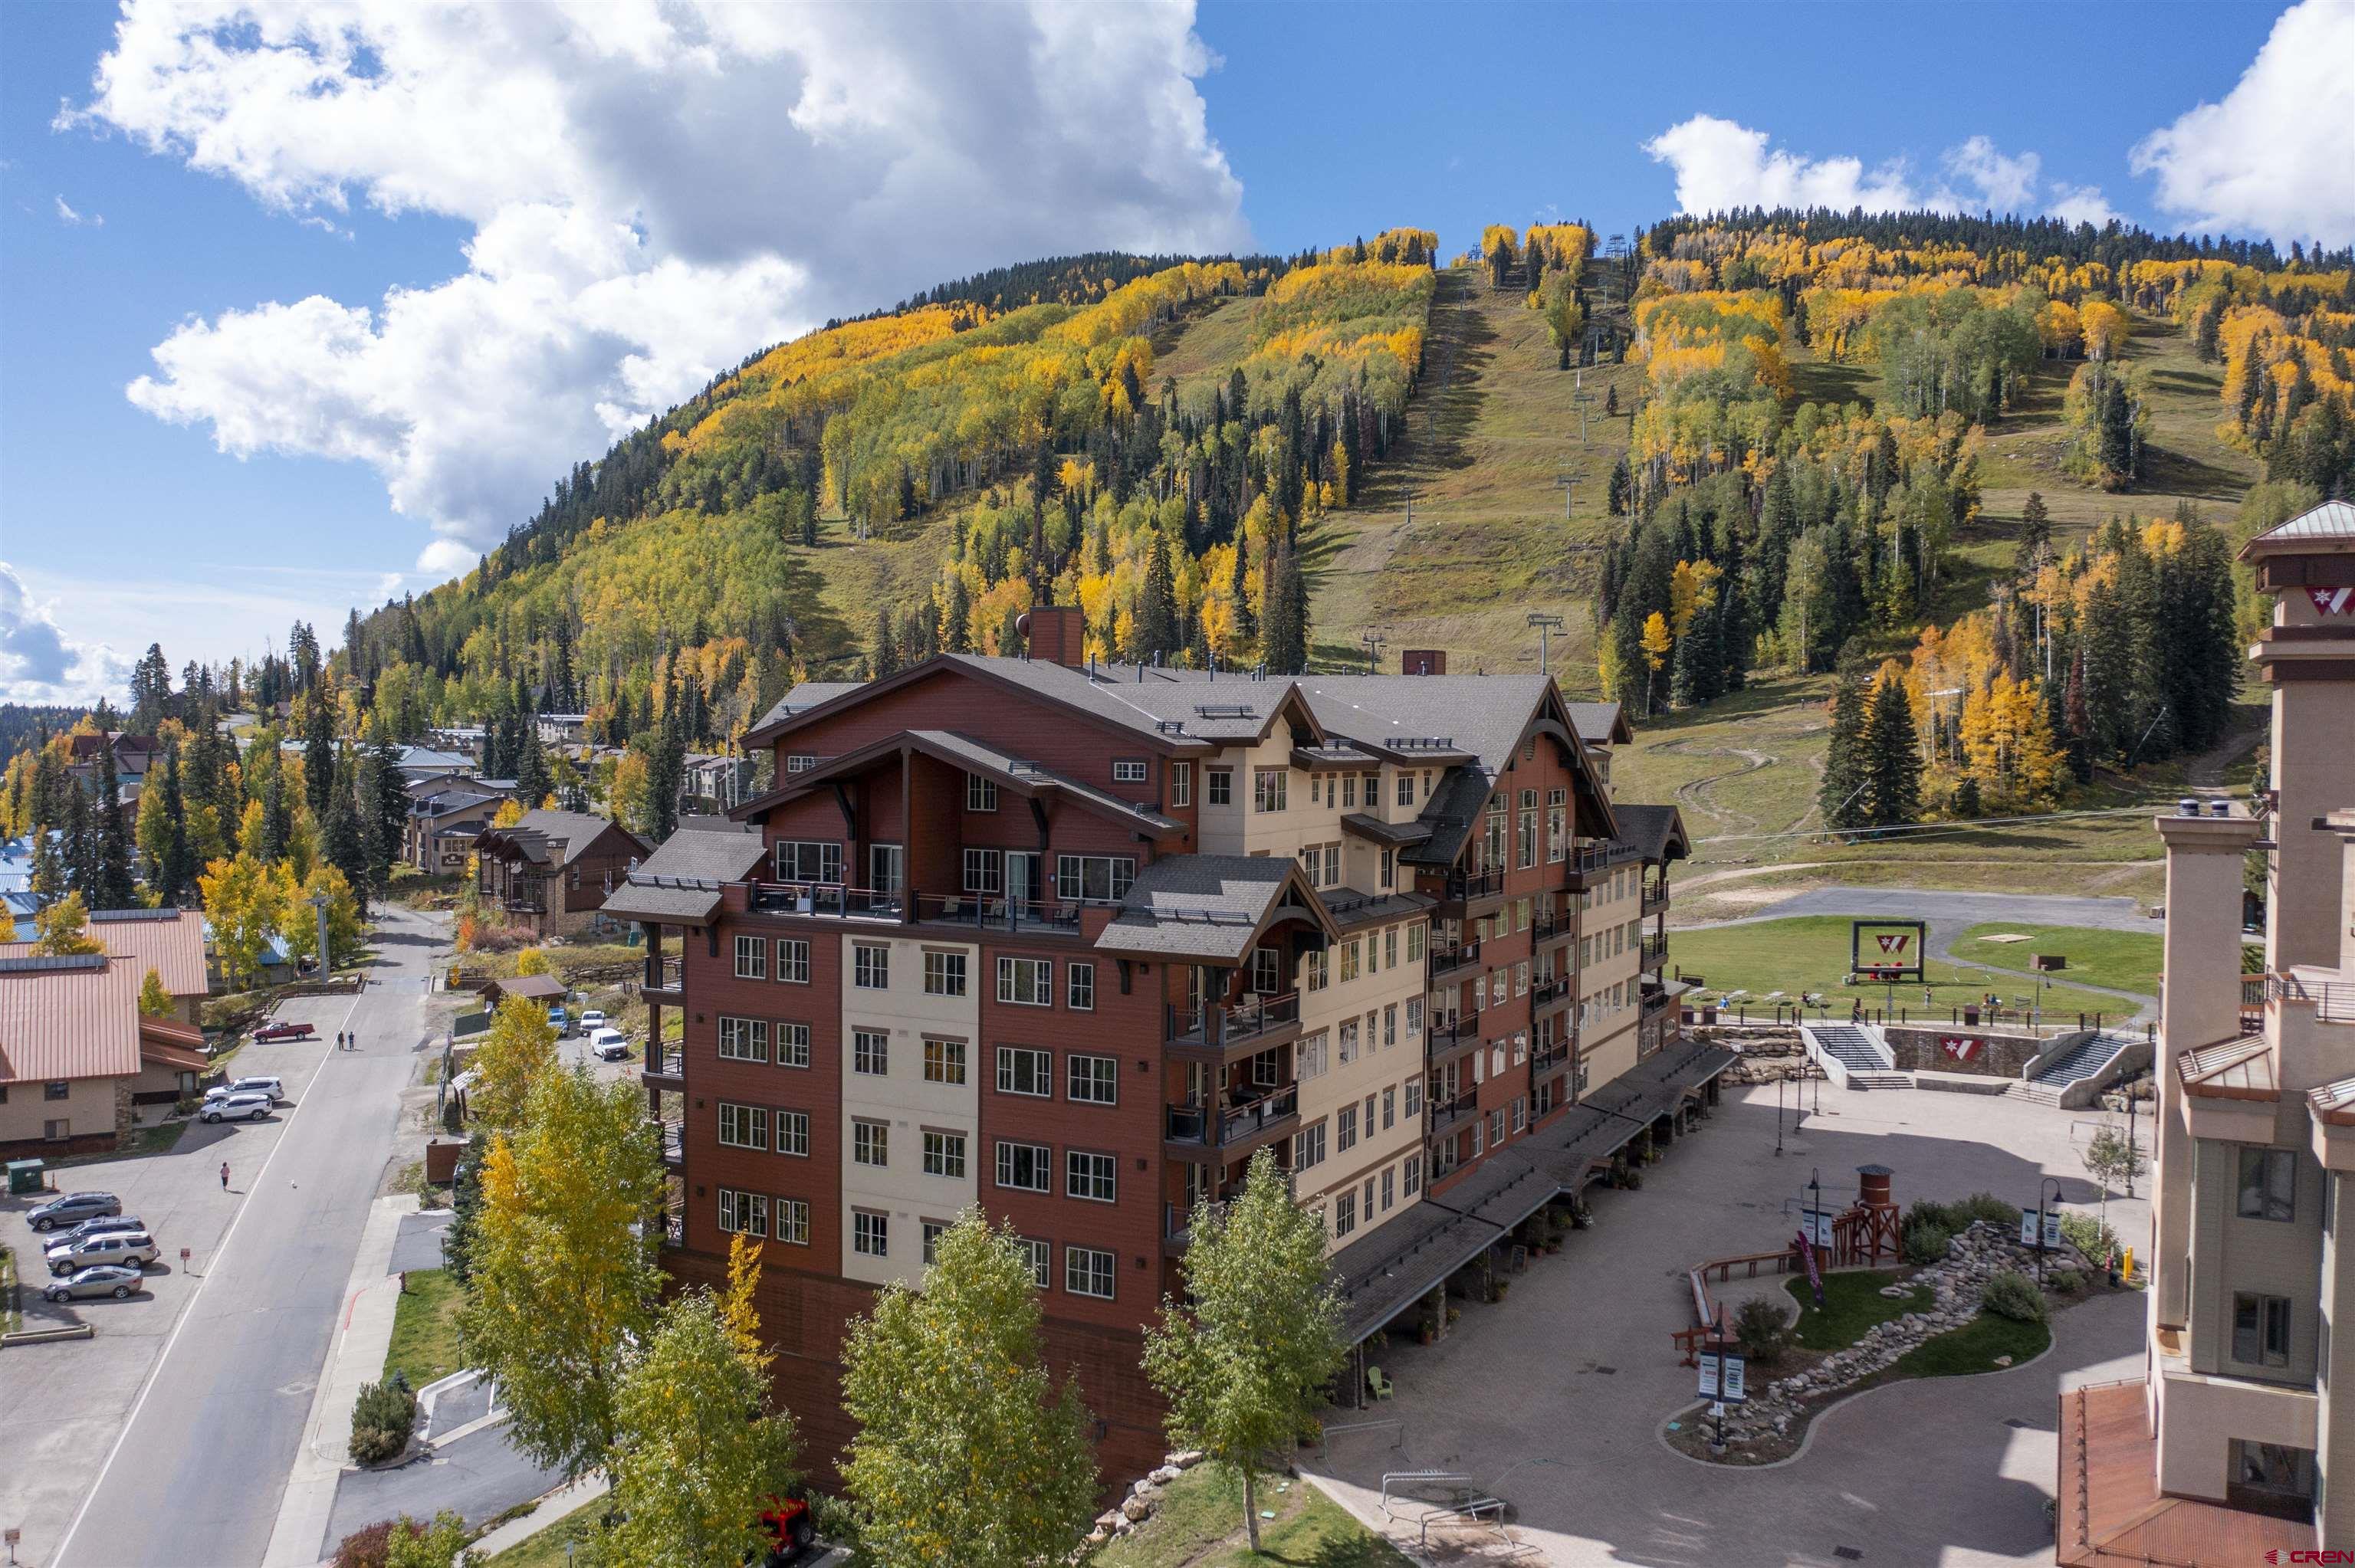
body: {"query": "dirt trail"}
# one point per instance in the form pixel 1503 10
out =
pixel 1688 794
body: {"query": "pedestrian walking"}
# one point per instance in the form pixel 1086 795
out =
pixel 339 1039
pixel 224 1175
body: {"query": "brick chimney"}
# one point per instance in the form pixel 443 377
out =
pixel 1057 633
pixel 1422 661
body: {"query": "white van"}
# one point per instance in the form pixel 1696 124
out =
pixel 609 1045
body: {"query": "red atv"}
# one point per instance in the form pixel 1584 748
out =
pixel 791 1531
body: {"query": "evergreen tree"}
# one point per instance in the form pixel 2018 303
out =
pixel 277 822
pixel 1623 487
pixel 956 618
pixel 1893 756
pixel 887 658
pixel 1156 609
pixel 531 775
pixel 1285 648
pixel 112 883
pixel 1840 799
pixel 2035 535
pixel 342 839
pixel 391 803
pixel 319 755
pixel 178 873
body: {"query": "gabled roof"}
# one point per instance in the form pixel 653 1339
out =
pixel 553 838
pixel 2330 525
pixel 1009 772
pixel 1657 832
pixel 681 882
pixel 67 1018
pixel 1209 908
pixel 169 941
pixel 1601 724
pixel 1483 715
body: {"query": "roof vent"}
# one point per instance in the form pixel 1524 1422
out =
pixel 1224 711
pixel 2219 807
pixel 2189 806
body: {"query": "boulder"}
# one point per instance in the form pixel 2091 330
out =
pixel 1137 1509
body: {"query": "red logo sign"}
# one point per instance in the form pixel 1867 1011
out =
pixel 2309 1554
pixel 1961 1047
pixel 1894 943
pixel 2331 600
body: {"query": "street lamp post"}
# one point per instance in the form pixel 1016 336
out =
pixel 319 902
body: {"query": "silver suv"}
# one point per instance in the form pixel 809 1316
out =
pixel 129 1249
pixel 246 1107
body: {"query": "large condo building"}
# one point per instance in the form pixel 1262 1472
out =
pixel 2238 1442
pixel 1071 942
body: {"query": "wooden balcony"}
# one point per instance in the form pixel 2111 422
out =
pixel 1443 1117
pixel 1472 893
pixel 1257 1023
pixel 1447 961
pixel 1230 1131
pixel 665 978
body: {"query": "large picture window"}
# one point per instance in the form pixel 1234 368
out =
pixel 1088 1271
pixel 1024 1071
pixel 808 860
pixel 2268 1185
pixel 743 1039
pixel 1095 878
pixel 1026 982
pixel 1025 1167
pixel 1091 1176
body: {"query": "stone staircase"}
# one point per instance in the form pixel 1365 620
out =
pixel 1864 1058
pixel 2067 1071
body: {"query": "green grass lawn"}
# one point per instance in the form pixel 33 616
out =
pixel 1974 1346
pixel 544 1548
pixel 2126 960
pixel 1853 1305
pixel 1200 1525
pixel 425 1328
pixel 1809 953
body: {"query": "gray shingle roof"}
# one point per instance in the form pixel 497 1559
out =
pixel 1206 907
pixel 1596 723
pixel 1350 911
pixel 679 883
pixel 808 694
pixel 1650 828
pixel 1483 715
pixel 557 838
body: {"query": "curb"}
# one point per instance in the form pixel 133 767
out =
pixel 47 1335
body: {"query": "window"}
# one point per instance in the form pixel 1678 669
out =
pixel 1496 1127
pixel 1389 1107
pixel 792 1221
pixel 943 1061
pixel 799 762
pixel 752 958
pixel 1096 878
pixel 1041 1255
pixel 870 1142
pixel 1345 1214
pixel 1411 1177
pixel 1310 1054
pixel 803 860
pixel 1025 1167
pixel 1024 1071
pixel 870 1053
pixel 884 863
pixel 2275 1470
pixel 1090 1176
pixel 1525 840
pixel 793 1045
pixel 1521 1114
pixel 1094 1080
pixel 1222 786
pixel 793 962
pixel 1413 1017
pixel 1308 1147
pixel 870 967
pixel 793 1133
pixel 985 871
pixel 1389 869
pixel 1521 978
pixel 1405 788
pixel 1492 836
pixel 1079 991
pixel 1181 783
pixel 1128 772
pixel 1087 1271
pixel 1557 824
pixel 1314 965
pixel 1348 961
pixel 944 1154
pixel 743 1126
pixel 743 1039
pixel 871 1233
pixel 2259 1329
pixel 1349 1043
pixel 1026 982
pixel 944 973
pixel 744 1211
pixel 1266 972
pixel 1267 789
pixel 1349 791
pixel 2268 1185
pixel 1390 1188
pixel 1414 935
pixel 980 794
pixel 930 1229
pixel 1344 1133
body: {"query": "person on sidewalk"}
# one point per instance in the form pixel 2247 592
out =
pixel 224 1175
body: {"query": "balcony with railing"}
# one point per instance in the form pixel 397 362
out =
pixel 1256 1023
pixel 1656 950
pixel 1447 961
pixel 1467 887
pixel 666 978
pixel 1235 1127
pixel 673 1146
pixel 1547 923
pixel 1446 1037
pixel 1444 1116
pixel 1550 1056
pixel 2333 1001
pixel 1545 993
pixel 516 894
pixel 1177 1221
pixel 1587 860
pixel 1655 896
pixel 665 1065
pixel 987 912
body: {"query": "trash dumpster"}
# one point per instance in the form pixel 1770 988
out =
pixel 25 1176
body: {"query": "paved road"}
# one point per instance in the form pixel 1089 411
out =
pixel 478 1475
pixel 198 1472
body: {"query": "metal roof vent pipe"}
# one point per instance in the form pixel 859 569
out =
pixel 2189 806
pixel 2219 807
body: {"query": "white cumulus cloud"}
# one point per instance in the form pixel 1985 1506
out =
pixel 654 189
pixel 2272 158
pixel 41 663
pixel 1721 165
pixel 68 216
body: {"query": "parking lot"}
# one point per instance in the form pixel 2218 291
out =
pixel 1553 1399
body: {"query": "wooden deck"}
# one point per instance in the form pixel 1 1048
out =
pixel 2110 1512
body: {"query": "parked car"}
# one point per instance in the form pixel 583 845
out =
pixel 791 1531
pixel 285 1030
pixel 99 1279
pixel 609 1044
pixel 247 1108
pixel 105 1224
pixel 132 1249
pixel 274 1087
pixel 72 1209
pixel 559 1020
pixel 592 1020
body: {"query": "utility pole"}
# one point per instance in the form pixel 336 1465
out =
pixel 1546 625
pixel 319 902
pixel 1373 641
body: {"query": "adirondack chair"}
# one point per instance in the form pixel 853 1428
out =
pixel 1378 1385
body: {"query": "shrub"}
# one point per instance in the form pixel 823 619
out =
pixel 2011 1294
pixel 381 1420
pixel 2089 1235
pixel 1925 1212
pixel 1762 1331
pixel 364 1548
pixel 1988 1207
pixel 2066 1281
pixel 1927 1242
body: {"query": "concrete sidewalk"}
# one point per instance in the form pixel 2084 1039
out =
pixel 552 1507
pixel 355 1356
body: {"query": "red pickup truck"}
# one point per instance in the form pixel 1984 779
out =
pixel 285 1030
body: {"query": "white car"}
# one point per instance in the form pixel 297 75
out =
pixel 592 1021
pixel 244 1107
pixel 609 1044
pixel 268 1085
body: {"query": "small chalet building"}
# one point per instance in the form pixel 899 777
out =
pixel 552 870
pixel 76 1057
pixel 1073 942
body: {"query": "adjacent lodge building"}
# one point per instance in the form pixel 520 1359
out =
pixel 1072 942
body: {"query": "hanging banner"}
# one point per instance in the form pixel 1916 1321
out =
pixel 2053 1237
pixel 2028 1228
pixel 1709 1374
pixel 1731 1383
pixel 1814 1277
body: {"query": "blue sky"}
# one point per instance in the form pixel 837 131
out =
pixel 195 210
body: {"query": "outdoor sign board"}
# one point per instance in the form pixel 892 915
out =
pixel 1815 1225
pixel 2052 1228
pixel 1732 1378
pixel 1709 1360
